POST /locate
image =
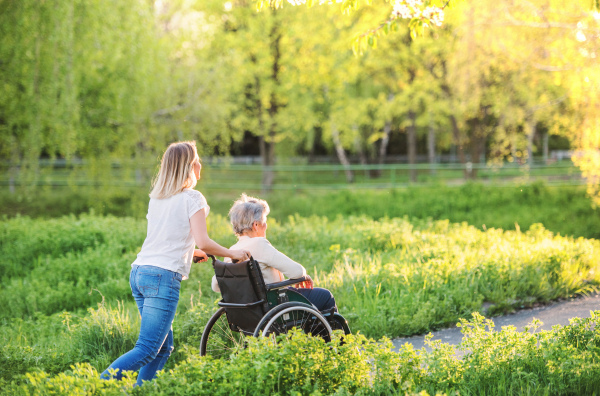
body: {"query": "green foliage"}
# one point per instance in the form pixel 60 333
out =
pixel 391 276
pixel 76 78
pixel 49 203
pixel 190 323
pixel 25 241
pixel 53 343
pixel 103 335
pixel 396 277
pixel 563 210
pixel 53 265
pixel 94 80
pixel 35 343
pixel 561 361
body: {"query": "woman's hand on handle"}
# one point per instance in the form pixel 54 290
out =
pixel 200 256
pixel 239 255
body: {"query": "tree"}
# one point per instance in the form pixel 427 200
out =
pixel 76 79
pixel 556 46
pixel 420 14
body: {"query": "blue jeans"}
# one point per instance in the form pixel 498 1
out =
pixel 156 293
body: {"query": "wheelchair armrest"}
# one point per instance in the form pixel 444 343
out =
pixel 286 282
pixel 232 305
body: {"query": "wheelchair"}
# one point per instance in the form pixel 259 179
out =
pixel 251 308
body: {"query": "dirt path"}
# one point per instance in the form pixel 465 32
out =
pixel 553 314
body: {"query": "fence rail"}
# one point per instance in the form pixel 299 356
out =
pixel 289 177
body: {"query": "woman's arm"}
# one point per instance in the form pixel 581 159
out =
pixel 274 258
pixel 203 241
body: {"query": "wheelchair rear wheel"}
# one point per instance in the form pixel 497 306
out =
pixel 218 340
pixel 290 315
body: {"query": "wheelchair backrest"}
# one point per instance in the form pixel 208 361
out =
pixel 242 283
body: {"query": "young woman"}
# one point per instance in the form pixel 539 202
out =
pixel 176 222
pixel 248 218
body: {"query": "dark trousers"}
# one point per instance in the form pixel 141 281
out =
pixel 319 297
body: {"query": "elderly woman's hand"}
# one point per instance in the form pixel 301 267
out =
pixel 307 284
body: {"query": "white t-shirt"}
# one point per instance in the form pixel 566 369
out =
pixel 169 241
pixel 273 264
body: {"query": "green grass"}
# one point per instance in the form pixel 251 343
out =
pixel 565 210
pixel 392 266
pixel 562 209
pixel 390 277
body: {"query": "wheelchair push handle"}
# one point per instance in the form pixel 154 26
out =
pixel 213 258
pixel 197 259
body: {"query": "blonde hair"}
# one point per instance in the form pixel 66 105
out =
pixel 176 170
pixel 245 211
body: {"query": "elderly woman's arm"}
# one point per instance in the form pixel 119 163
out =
pixel 274 258
pixel 266 254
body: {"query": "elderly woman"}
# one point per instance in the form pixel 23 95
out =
pixel 248 218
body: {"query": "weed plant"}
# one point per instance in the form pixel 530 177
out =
pixel 561 361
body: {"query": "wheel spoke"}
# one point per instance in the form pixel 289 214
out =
pixel 226 331
pixel 221 339
pixel 304 318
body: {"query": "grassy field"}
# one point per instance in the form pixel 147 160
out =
pixel 391 277
pixel 562 209
pixel 393 267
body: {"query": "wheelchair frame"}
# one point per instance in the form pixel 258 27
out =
pixel 270 310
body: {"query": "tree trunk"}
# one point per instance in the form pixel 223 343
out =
pixel 341 153
pixel 362 157
pixel 11 180
pixel 431 146
pixel 268 151
pixel 458 142
pixel 531 130
pixel 383 145
pixel 545 145
pixel 477 149
pixel 385 141
pixel 313 147
pixel 412 145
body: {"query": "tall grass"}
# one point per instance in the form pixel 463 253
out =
pixel 392 276
pixel 52 265
pixel 54 343
pixel 561 361
pixel 562 209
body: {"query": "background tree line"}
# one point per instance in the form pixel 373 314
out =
pixel 104 80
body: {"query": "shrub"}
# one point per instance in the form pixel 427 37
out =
pixel 561 361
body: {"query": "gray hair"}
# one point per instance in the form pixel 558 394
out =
pixel 245 211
